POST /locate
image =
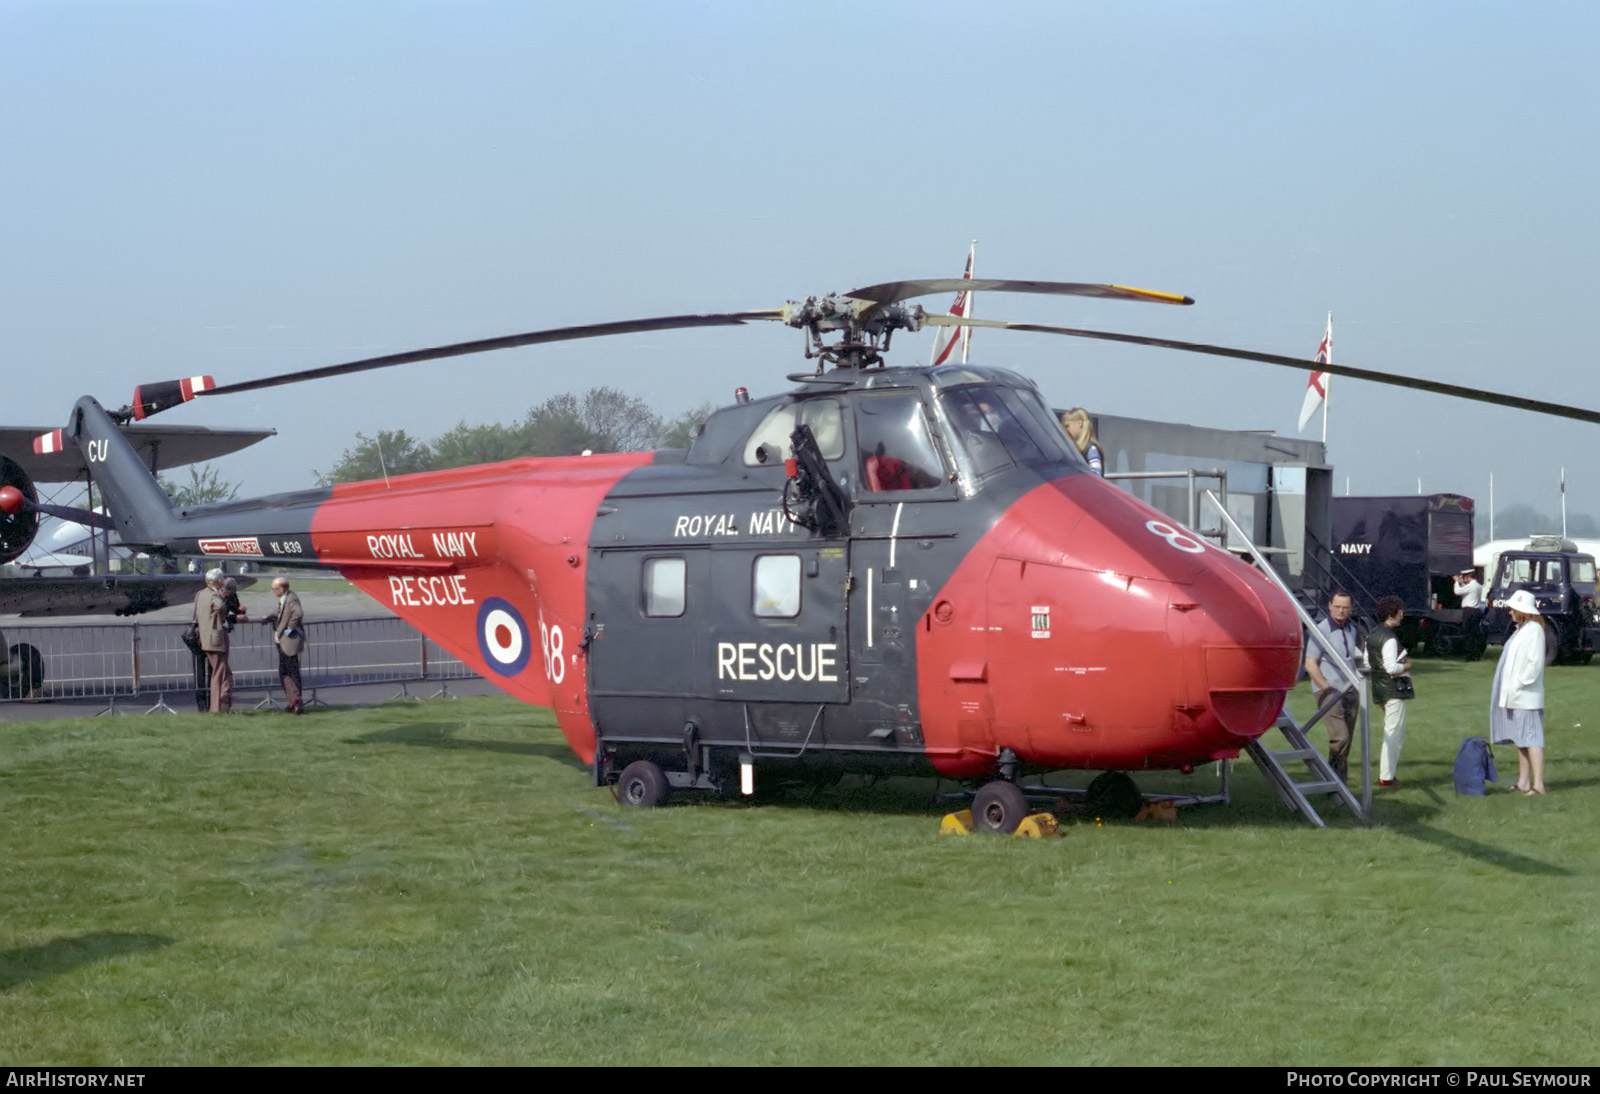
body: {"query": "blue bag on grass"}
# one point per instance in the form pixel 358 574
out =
pixel 1474 764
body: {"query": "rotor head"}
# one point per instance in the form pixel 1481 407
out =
pixel 865 327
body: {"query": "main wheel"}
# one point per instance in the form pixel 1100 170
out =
pixel 27 665
pixel 1113 794
pixel 999 807
pixel 642 784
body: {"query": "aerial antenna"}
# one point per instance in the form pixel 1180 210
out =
pixel 378 440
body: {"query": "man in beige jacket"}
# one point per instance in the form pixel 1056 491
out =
pixel 290 634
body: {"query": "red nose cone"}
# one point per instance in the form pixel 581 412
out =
pixel 11 500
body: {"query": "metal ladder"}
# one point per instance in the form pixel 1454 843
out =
pixel 1296 795
pixel 1271 762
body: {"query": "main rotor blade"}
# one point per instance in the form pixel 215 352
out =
pixel 1538 406
pixel 891 291
pixel 511 341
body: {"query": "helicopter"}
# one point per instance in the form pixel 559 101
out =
pixel 883 570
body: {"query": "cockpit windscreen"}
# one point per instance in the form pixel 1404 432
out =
pixel 999 426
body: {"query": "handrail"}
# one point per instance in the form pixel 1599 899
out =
pixel 1191 474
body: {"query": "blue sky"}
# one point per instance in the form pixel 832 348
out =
pixel 245 188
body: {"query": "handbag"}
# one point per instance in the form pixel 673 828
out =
pixel 1403 687
pixel 191 638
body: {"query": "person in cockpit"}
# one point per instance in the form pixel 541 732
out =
pixel 884 472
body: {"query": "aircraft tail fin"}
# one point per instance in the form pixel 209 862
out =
pixel 141 512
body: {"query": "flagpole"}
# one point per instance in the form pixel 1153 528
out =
pixel 1563 503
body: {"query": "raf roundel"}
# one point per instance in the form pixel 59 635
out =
pixel 503 637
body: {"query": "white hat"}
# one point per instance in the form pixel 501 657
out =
pixel 1522 601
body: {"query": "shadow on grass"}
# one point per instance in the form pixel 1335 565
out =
pixel 441 735
pixel 29 963
pixel 1483 852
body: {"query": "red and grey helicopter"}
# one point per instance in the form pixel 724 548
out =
pixel 896 570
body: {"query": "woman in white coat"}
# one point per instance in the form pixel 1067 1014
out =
pixel 1516 703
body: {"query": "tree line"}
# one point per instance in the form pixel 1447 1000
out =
pixel 1519 520
pixel 601 419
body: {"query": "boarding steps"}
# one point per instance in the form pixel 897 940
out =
pixel 1297 795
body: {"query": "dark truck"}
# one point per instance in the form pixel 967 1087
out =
pixel 1410 547
pixel 1562 581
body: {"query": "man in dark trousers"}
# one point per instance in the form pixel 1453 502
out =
pixel 289 633
pixel 212 620
pixel 1345 636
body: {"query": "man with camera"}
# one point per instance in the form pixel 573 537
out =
pixel 1391 683
pixel 1344 635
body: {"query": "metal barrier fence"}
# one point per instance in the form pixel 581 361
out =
pixel 116 660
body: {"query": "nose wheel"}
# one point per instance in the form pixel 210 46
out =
pixel 1113 794
pixel 999 807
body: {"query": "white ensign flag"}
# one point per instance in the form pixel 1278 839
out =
pixel 1317 386
pixel 944 338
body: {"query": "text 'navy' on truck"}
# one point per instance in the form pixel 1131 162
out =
pixel 1411 547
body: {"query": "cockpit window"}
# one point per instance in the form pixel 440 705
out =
pixel 1042 425
pixel 769 444
pixel 897 451
pixel 999 426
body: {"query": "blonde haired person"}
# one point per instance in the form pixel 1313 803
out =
pixel 1516 701
pixel 1078 426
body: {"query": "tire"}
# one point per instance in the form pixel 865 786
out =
pixel 999 807
pixel 1114 794
pixel 642 785
pixel 28 666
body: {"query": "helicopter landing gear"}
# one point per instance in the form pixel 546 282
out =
pixel 1113 794
pixel 642 784
pixel 999 807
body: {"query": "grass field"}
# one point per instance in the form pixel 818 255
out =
pixel 437 883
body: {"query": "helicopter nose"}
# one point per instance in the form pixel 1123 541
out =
pixel 1238 639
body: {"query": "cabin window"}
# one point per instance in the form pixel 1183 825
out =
pixel 777 586
pixel 897 451
pixel 769 444
pixel 1582 571
pixel 665 587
